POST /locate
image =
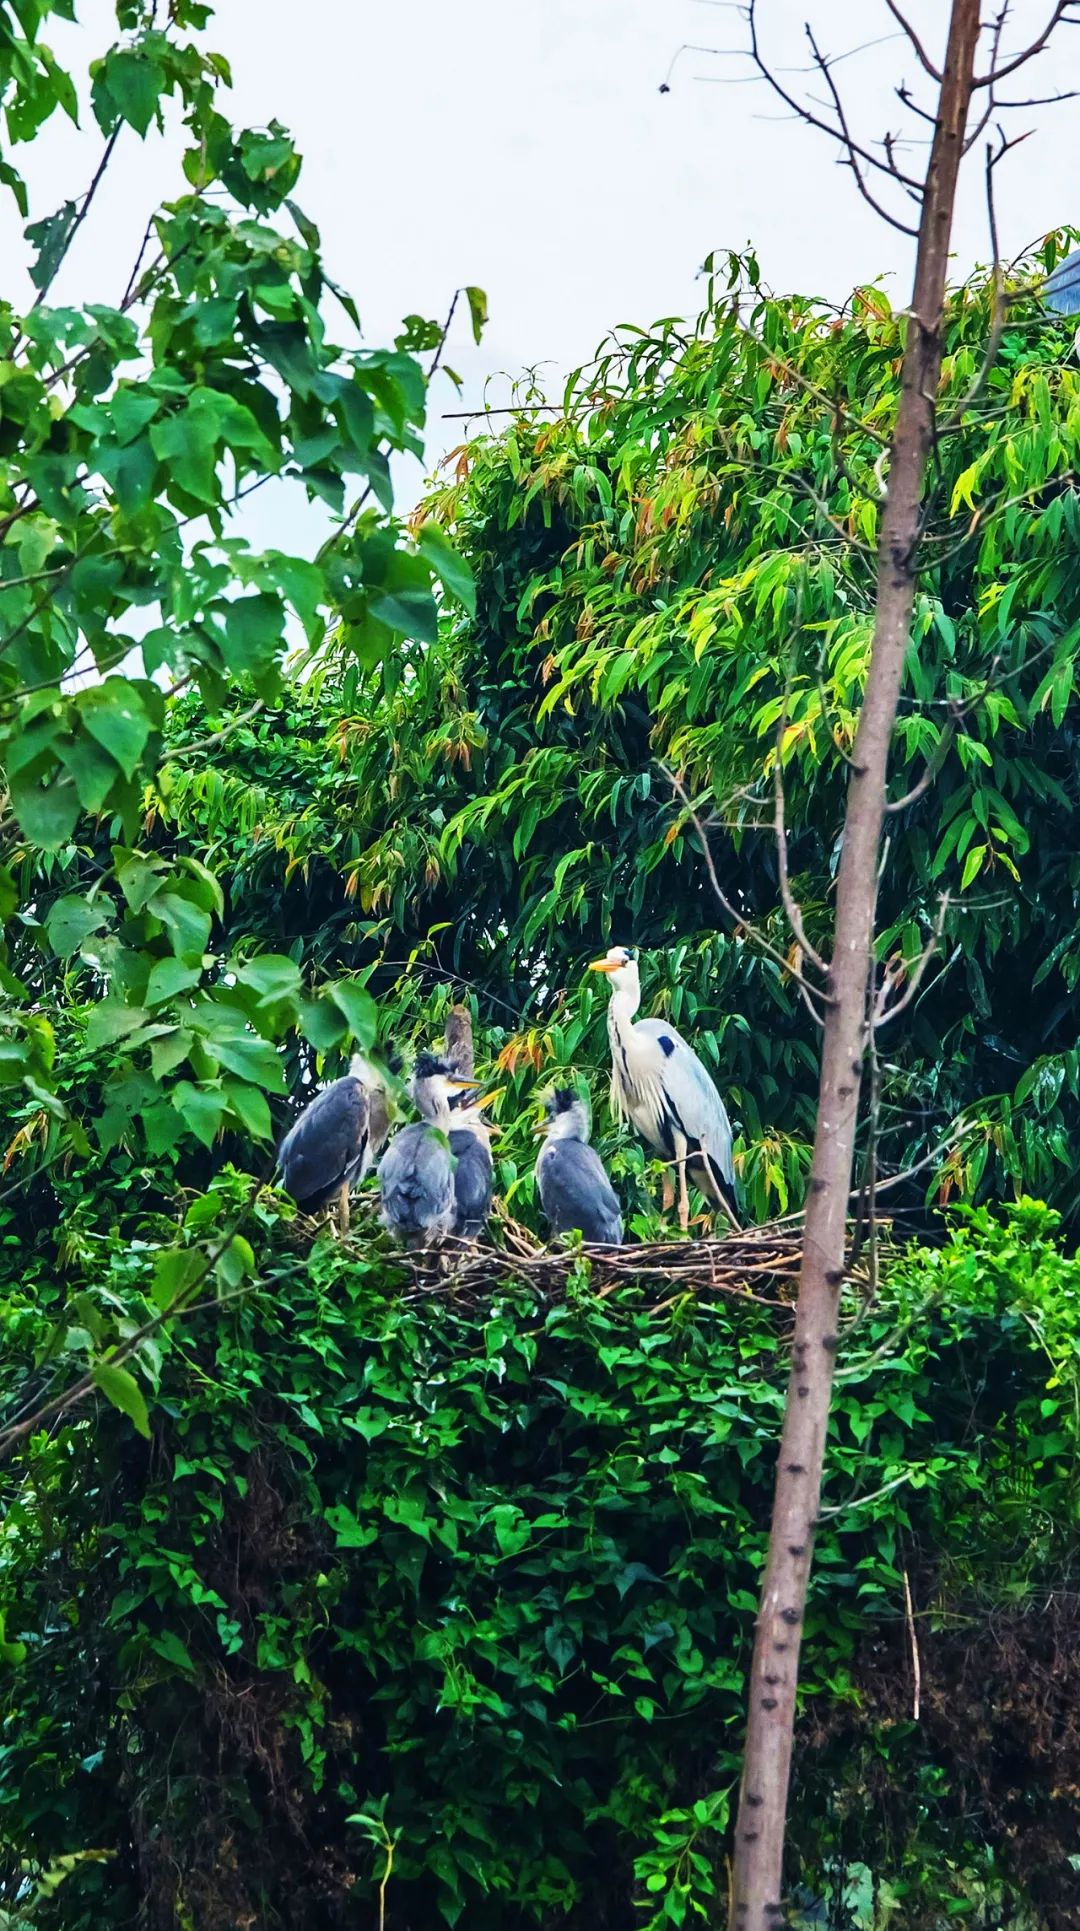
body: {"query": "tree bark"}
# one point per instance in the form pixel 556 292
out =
pixel 459 1041
pixel 757 1889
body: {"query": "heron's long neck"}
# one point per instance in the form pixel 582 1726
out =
pixel 620 1019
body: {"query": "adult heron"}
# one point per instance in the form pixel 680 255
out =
pixel 336 1139
pixel 575 1192
pixel 659 1084
pixel 416 1173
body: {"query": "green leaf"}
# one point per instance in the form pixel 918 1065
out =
pixel 176 1271
pixel 122 1389
pixel 70 921
pixel 972 865
pixel 10 1652
pixel 132 84
pixel 112 1020
pixel 169 1646
pixel 47 811
pixel 321 1024
pixel 250 1109
pixel 201 1108
pixel 114 714
pixel 50 238
pixel 359 1009
pixel 253 1059
pixel 169 977
pixel 478 311
pixel 188 925
pixel 449 566
pixel 271 975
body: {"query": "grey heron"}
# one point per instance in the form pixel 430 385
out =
pixel 575 1192
pixel 334 1142
pixel 474 1171
pixel 416 1173
pixel 659 1084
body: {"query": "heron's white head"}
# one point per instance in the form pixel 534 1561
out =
pixel 566 1116
pixel 620 964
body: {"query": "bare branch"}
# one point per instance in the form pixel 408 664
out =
pixel 84 210
pixel 917 47
pixel 916 1668
pixel 933 766
pixel 994 74
pixel 791 904
pixel 853 150
pixel 881 1015
pixel 771 951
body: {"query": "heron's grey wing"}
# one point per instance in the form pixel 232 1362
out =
pixel 473 1182
pixel 416 1181
pixel 1061 290
pixel 694 1100
pixel 576 1193
pixel 324 1148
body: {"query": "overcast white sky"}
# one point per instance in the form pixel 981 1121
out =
pixel 524 145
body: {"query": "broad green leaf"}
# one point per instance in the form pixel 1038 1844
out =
pixel 112 1020
pixel 449 566
pixel 70 921
pixel 250 1109
pixel 322 1024
pixel 177 1271
pixel 169 977
pixel 122 1389
pixel 114 714
pixel 359 1009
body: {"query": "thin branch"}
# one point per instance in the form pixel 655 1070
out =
pixel 808 992
pixel 916 1668
pixel 202 745
pixel 933 766
pixel 838 134
pixel 881 1015
pixel 84 210
pixel 917 47
pixel 791 904
pixel 993 75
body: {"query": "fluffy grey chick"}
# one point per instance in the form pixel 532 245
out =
pixel 575 1192
pixel 416 1173
pixel 474 1172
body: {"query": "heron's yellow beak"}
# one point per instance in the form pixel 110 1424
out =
pixel 539 1128
pixel 603 965
pixel 485 1099
pixel 465 1086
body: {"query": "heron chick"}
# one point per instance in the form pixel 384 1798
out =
pixel 416 1173
pixel 659 1084
pixel 333 1143
pixel 474 1170
pixel 575 1192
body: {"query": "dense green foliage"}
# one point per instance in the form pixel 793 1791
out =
pixel 481 1578
pixel 654 571
pixel 329 1585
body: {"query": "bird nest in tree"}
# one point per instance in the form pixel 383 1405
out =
pixel 760 1264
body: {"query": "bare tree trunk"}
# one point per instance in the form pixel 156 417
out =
pixel 758 1863
pixel 459 1041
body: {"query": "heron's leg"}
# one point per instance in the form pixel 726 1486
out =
pixel 668 1198
pixel 684 1196
pixel 343 1210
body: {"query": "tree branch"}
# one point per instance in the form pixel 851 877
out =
pixel 771 951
